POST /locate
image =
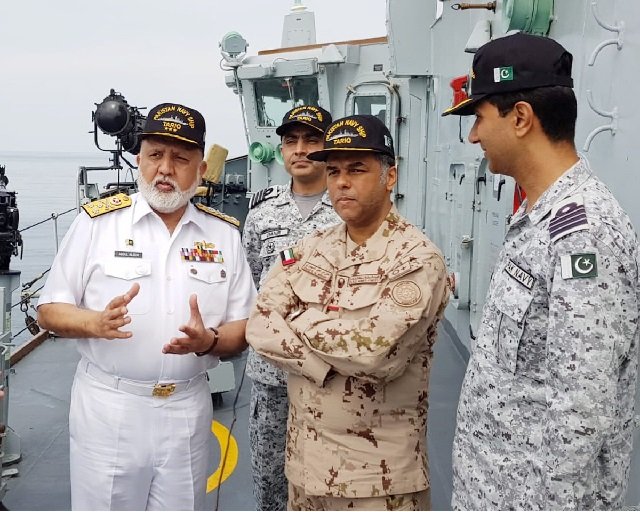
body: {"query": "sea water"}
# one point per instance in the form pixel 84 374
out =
pixel 45 186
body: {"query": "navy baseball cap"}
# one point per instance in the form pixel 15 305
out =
pixel 355 133
pixel 515 63
pixel 176 121
pixel 309 115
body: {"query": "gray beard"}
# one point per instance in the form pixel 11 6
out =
pixel 165 202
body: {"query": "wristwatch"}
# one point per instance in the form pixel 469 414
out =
pixel 213 345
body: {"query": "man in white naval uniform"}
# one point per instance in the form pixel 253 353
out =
pixel 138 279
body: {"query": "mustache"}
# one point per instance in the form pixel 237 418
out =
pixel 164 181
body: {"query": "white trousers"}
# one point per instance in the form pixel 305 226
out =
pixel 130 452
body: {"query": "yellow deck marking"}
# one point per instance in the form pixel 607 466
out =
pixel 222 435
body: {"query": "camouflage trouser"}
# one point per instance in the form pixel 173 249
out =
pixel 299 500
pixel 267 435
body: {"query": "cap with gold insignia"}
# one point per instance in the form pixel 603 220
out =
pixel 355 133
pixel 315 117
pixel 176 121
pixel 515 63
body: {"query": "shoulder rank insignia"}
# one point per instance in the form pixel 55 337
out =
pixel 403 269
pixel 263 195
pixel 568 216
pixel 107 205
pixel 222 216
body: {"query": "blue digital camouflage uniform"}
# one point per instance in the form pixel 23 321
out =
pixel 355 326
pixel 274 223
pixel 546 412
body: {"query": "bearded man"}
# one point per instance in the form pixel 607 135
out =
pixel 136 280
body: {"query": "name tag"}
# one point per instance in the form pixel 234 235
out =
pixel 314 270
pixel 127 254
pixel 365 279
pixel 272 233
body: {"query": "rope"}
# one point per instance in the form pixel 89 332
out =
pixel 26 298
pixel 20 332
pixel 53 217
pixel 30 283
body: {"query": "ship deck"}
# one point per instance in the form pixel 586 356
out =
pixel 39 406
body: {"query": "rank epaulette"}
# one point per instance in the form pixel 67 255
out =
pixel 263 195
pixel 222 216
pixel 107 205
pixel 568 216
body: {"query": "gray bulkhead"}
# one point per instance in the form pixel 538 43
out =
pixel 444 185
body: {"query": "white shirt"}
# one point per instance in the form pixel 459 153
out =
pixel 91 268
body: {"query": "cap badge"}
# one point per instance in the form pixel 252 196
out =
pixel 345 135
pixel 173 123
pixel 306 116
pixel 306 113
pixel 350 129
pixel 504 74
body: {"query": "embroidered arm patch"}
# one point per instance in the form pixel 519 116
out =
pixel 263 195
pixel 579 265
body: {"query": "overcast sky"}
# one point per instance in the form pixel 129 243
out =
pixel 60 57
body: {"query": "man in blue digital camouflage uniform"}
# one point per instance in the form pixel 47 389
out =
pixel 279 216
pixel 546 412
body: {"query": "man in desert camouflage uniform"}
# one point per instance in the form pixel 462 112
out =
pixel 546 413
pixel 279 216
pixel 351 313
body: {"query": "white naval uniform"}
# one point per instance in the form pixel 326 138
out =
pixel 130 451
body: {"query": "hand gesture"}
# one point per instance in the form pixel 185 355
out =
pixel 198 338
pixel 114 316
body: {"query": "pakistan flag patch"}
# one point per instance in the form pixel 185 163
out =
pixel 504 74
pixel 579 265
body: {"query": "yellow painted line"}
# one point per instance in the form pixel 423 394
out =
pixel 222 435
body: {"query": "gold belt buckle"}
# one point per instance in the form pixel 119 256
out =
pixel 163 389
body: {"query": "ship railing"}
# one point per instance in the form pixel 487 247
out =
pixel 30 290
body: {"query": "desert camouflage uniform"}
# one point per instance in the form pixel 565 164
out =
pixel 546 413
pixel 420 500
pixel 354 327
pixel 273 223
